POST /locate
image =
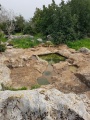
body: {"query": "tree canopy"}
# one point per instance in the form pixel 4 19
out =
pixel 66 21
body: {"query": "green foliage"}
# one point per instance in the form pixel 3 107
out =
pixel 2 37
pixel 28 29
pixel 24 42
pixel 79 43
pixel 2 48
pixel 12 89
pixel 3 26
pixel 35 86
pixel 66 21
pixel 19 23
pixel 48 43
pixel 81 8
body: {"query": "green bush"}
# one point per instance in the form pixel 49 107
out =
pixel 2 37
pixel 2 48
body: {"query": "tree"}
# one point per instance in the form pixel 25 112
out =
pixel 19 23
pixel 81 8
pixel 28 28
pixel 66 21
pixel 6 20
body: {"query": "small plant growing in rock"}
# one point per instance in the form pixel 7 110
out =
pixel 2 48
pixel 35 86
pixel 12 89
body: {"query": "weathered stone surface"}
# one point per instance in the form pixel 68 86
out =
pixel 84 75
pixel 20 36
pixel 60 65
pixel 22 67
pixel 4 71
pixel 25 67
pixel 43 104
pixel 64 52
pixel 40 40
pixel 4 74
pixel 84 50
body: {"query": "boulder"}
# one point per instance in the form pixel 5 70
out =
pixel 49 37
pixel 43 104
pixel 84 50
pixel 31 36
pixel 39 40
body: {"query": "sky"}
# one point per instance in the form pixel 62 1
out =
pixel 25 8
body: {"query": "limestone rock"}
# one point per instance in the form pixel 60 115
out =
pixel 4 71
pixel 84 50
pixel 39 39
pixel 4 74
pixel 64 52
pixel 84 75
pixel 43 104
pixel 60 65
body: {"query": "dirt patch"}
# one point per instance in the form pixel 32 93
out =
pixel 24 76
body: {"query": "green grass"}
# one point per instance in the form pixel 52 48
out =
pixel 35 86
pixel 11 88
pixel 2 37
pixel 79 44
pixel 24 42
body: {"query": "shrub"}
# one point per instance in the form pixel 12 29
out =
pixel 2 48
pixel 2 37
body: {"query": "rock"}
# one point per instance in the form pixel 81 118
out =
pixel 9 47
pixel 20 36
pixel 49 37
pixel 40 40
pixel 25 68
pixel 84 50
pixel 49 42
pixel 84 75
pixel 31 36
pixel 64 52
pixel 43 104
pixel 4 75
pixel 60 65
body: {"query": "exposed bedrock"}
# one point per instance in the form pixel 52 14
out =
pixel 43 104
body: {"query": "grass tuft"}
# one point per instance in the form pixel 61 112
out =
pixel 79 44
pixel 12 89
pixel 35 86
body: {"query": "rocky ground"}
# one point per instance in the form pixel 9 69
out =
pixel 66 97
